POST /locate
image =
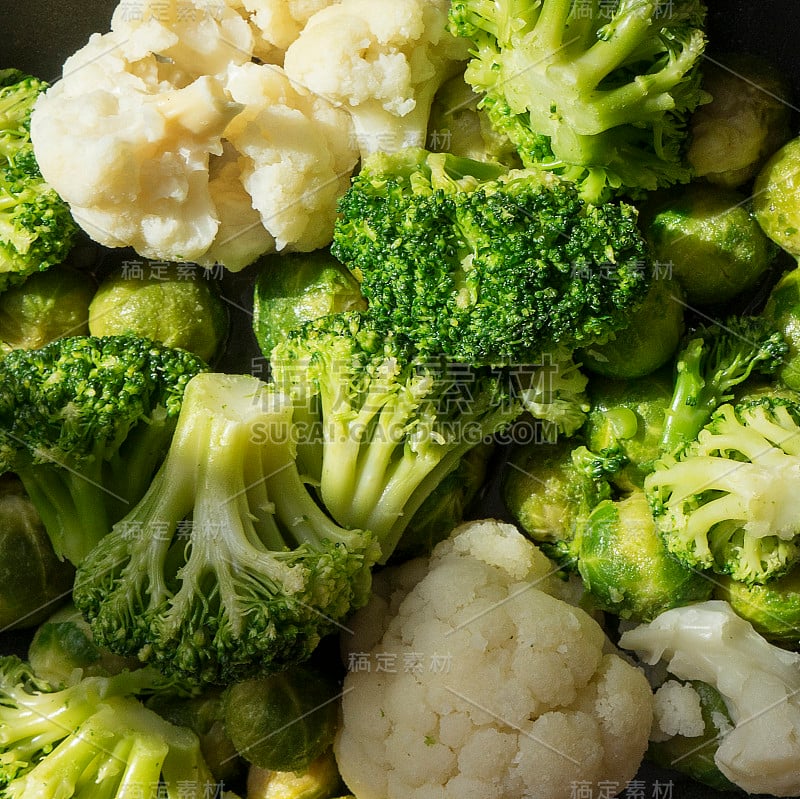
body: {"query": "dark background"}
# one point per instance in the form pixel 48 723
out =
pixel 38 34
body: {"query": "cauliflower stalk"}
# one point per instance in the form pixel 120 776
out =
pixel 482 682
pixel 166 135
pixel 759 682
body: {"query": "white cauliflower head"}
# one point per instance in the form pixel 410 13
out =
pixel 759 682
pixel 383 61
pixel 131 135
pixel 480 682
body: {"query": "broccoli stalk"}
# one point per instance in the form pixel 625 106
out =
pixel 713 362
pixel 395 420
pixel 85 422
pixel 488 266
pixel 598 93
pixel 36 227
pixel 227 566
pixel 728 501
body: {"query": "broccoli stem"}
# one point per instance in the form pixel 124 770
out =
pixel 72 508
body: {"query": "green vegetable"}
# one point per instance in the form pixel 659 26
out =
pixel 319 781
pixel 551 488
pixel 446 506
pixel 394 420
pixel 283 722
pixel 296 288
pixel 174 304
pixel 746 121
pixel 775 195
pixel 708 238
pixel 713 361
pixel 92 738
pixel 227 567
pixel 647 342
pixel 597 92
pixel 459 126
pixel 48 305
pixel 782 312
pixel 203 714
pixel 85 422
pixel 728 500
pixel 486 265
pixel 36 228
pixel 32 579
pixel 63 644
pixel 772 608
pixel 629 416
pixel 626 567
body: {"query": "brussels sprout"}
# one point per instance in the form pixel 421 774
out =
pixel 549 493
pixel 457 125
pixel 47 306
pixel 319 781
pixel 783 312
pixel 693 755
pixel 648 341
pixel 204 715
pixel 773 608
pixel 283 722
pixel 63 644
pixel 775 197
pixel 629 415
pixel 626 567
pixel 33 581
pixel 171 303
pixel 710 241
pixel 746 121
pixel 298 287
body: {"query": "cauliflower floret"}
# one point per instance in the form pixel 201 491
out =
pixel 676 711
pixel 279 22
pixel 383 60
pixel 297 155
pixel 131 136
pixel 759 682
pixel 130 153
pixel 480 684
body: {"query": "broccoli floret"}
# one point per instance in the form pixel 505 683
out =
pixel 35 716
pixel 85 422
pixel 36 227
pixel 486 265
pixel 729 500
pixel 598 92
pixel 394 420
pixel 227 567
pixel 93 738
pixel 713 361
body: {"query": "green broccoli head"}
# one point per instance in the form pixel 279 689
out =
pixel 94 733
pixel 84 422
pixel 393 420
pixel 36 227
pixel 485 265
pixel 227 567
pixel 728 501
pixel 598 92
